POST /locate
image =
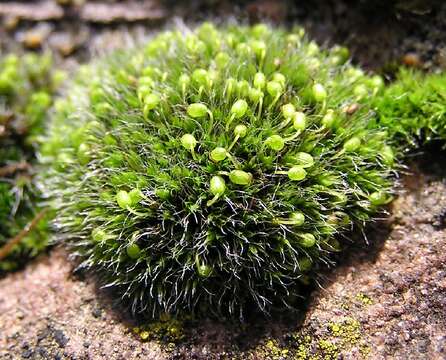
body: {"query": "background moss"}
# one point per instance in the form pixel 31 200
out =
pixel 413 107
pixel 27 84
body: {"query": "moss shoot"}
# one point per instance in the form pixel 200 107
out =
pixel 214 170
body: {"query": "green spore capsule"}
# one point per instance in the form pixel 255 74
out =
pixel 136 196
pixel 297 218
pixel 304 159
pixel 255 95
pixel 189 142
pixel 218 154
pixel 133 251
pixel 274 88
pixel 329 119
pixel 307 240
pixel 163 194
pixel 388 155
pixel 259 48
pixel 280 78
pixel 151 101
pixel 230 86
pixel 288 110
pixel 240 130
pixel 259 80
pixel 184 81
pixel 319 92
pixel 217 185
pixel 305 264
pixel 204 270
pixel 275 142
pixel 352 144
pixel 240 177
pixel 201 77
pixel 243 50
pixel 197 110
pixel 297 173
pixel 239 108
pixel 360 91
pixel 260 30
pixel 242 87
pixel 378 198
pixel 145 81
pixel 234 171
pixel 222 59
pixel 83 153
pixel 99 235
pixel 299 121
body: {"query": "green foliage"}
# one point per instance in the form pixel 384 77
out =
pixel 216 170
pixel 413 108
pixel 26 88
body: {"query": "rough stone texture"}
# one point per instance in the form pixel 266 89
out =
pixel 392 293
pixel 46 313
pixel 397 288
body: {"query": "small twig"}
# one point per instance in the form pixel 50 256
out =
pixel 11 169
pixel 7 248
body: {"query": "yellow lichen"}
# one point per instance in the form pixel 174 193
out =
pixel 348 331
pixel 329 350
pixel 364 299
pixel 168 330
pixel 144 335
pixel 275 350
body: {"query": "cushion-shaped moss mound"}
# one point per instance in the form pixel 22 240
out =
pixel 213 170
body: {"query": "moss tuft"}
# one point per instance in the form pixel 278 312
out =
pixel 212 171
pixel 413 108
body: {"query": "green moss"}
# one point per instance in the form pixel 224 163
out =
pixel 413 108
pixel 135 152
pixel 27 84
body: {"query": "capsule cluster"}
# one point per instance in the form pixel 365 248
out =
pixel 215 170
pixel 26 88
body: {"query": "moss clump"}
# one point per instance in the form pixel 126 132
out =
pixel 413 108
pixel 212 171
pixel 26 88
